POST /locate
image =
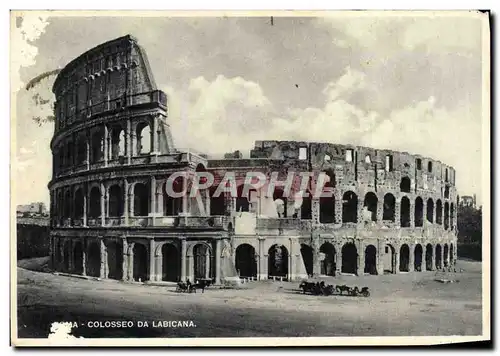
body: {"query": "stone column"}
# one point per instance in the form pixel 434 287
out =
pixel 207 202
pixel 291 274
pixel 338 209
pixel 397 212
pixel 359 212
pixel 104 259
pixel 85 204
pixel 338 259
pixel 70 257
pixel 360 269
pixel 84 257
pixel 125 202
pixel 262 260
pixel 133 144
pixel 152 272
pixel 217 261
pixel 207 265
pixel 433 264
pixel 396 257
pixel 153 140
pixel 106 145
pixel 380 210
pixel 315 248
pixel 411 258
pixel 442 256
pixel 412 213
pixel 153 199
pixel 379 261
pixel 87 148
pixel 103 204
pixel 131 261
pixel 158 267
pixel 128 145
pixel 315 211
pixel 125 262
pixel 183 259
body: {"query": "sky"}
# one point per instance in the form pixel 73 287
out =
pixel 411 84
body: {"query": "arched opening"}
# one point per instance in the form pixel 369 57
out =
pixel 327 210
pixel 405 185
pixel 419 212
pixel 246 264
pixel 445 255
pixel 349 207
pixel 307 257
pixel 97 142
pixel 452 214
pixel 430 210
pixel 141 261
pixel 280 201
pixel 93 260
pixel 78 204
pixel 389 207
pixel 439 212
pixel 328 265
pixel 389 259
pixel 171 263
pixel 447 192
pixel 141 199
pixel 66 255
pixel 405 212
pixel 172 206
pixel 117 143
pixel 428 257
pixel 417 263
pixel 452 256
pixel 429 167
pixel 330 181
pixel 439 262
pixel 81 150
pixel 217 204
pixel 371 259
pixel 349 258
pixel 306 208
pixel 404 258
pixel 371 202
pixel 68 203
pixel 143 138
pixel 278 261
pixel 242 202
pixel 115 201
pixel 446 216
pixel 95 203
pixel 202 262
pixel 78 258
pixel 115 260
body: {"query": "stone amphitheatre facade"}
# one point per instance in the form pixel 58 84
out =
pixel 389 212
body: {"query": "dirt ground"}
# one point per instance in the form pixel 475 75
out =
pixel 406 304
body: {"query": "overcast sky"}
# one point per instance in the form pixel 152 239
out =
pixel 404 83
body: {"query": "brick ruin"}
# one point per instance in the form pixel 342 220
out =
pixel 113 151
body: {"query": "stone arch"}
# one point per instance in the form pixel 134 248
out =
pixel 278 261
pixel 280 201
pixel 390 259
pixel 116 205
pixel 171 262
pixel 405 218
pixel 452 256
pixel 428 257
pixel 79 201
pixel 445 255
pixel 306 207
pixel 172 206
pixel 419 212
pixel 417 261
pixel 97 146
pixel 439 212
pixel 349 207
pixel 331 181
pixel 78 257
pixel 405 185
pixel 307 253
pixel 93 259
pixel 349 258
pixel 117 142
pixel 141 262
pixel 329 263
pixel 327 209
pixel 439 262
pixel 452 215
pixel 371 203
pixel 66 255
pixel 141 199
pixel 202 259
pixel 371 260
pixel 68 203
pixel 95 202
pixel 389 213
pixel 404 258
pixel 81 149
pixel 430 210
pixel 446 215
pixel 115 259
pixel 143 132
pixel 245 261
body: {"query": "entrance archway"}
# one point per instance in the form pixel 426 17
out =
pixel 170 266
pixel 439 261
pixel 328 265
pixel 417 265
pixel 140 254
pixel 452 260
pixel 445 255
pixel 115 260
pixel 307 256
pixel 78 258
pixel 349 258
pixel 93 260
pixel 404 258
pixel 428 257
pixel 66 255
pixel 389 259
pixel 246 265
pixel 202 261
pixel 371 260
pixel 278 261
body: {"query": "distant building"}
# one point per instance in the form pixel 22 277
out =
pixel 468 200
pixel 32 208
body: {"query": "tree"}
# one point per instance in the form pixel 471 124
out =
pixel 469 224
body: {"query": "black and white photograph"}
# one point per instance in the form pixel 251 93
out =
pixel 239 178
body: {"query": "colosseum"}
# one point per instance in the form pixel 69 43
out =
pixel 111 216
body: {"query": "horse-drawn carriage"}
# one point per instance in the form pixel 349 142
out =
pixel 320 288
pixel 188 287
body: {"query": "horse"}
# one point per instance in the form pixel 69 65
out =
pixel 342 288
pixel 356 291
